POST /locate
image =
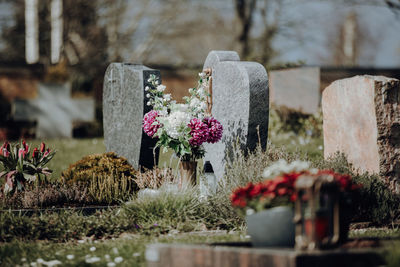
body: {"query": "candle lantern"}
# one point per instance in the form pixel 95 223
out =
pixel 317 212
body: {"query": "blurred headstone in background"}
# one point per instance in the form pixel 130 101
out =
pixel 297 89
pixel 240 103
pixel 54 110
pixel 362 120
pixel 124 106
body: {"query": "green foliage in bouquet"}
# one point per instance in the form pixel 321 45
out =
pixel 22 167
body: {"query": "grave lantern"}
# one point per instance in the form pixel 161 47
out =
pixel 317 212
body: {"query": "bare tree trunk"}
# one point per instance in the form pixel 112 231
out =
pixel 244 11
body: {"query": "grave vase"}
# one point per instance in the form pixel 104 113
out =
pixel 187 170
pixel 272 227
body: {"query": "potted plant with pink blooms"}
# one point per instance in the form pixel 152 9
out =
pixel 182 127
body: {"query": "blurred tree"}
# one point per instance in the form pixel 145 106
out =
pixel 270 23
pixel 84 39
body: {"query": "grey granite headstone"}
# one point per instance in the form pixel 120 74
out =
pixel 240 102
pixel 54 110
pixel 124 105
pixel 297 89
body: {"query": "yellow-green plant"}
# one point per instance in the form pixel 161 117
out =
pixel 108 177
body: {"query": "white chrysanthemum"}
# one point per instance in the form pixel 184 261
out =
pixel 174 122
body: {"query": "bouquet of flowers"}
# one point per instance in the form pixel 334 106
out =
pixel 181 127
pixel 279 187
pixel 20 166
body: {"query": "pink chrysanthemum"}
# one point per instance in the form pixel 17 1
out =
pixel 199 132
pixel 215 129
pixel 149 127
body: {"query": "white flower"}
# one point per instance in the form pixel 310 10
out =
pixel 111 264
pixel 92 249
pixel 194 102
pixel 149 80
pixel 175 121
pixel 136 254
pixel 281 166
pixel 107 257
pixel 167 97
pixel 161 88
pixel 202 75
pixel 157 82
pixel 118 259
pixel 115 250
pixel 148 103
pixel 70 257
pixel 147 95
pixel 203 105
pixel 52 263
pixel 92 259
pixel 40 260
pixel 147 88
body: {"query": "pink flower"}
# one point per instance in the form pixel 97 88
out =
pixel 199 132
pixel 42 147
pixel 35 153
pixel 4 149
pixel 215 129
pixel 21 153
pixel 150 123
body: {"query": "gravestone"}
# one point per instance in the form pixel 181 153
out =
pixel 124 106
pixel 240 103
pixel 54 110
pixel 296 89
pixel 362 119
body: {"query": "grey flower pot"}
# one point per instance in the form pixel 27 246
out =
pixel 272 228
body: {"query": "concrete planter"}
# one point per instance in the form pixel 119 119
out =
pixel 272 228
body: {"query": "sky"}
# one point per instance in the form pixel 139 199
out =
pixel 315 27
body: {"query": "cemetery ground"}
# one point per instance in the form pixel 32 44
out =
pixel 118 236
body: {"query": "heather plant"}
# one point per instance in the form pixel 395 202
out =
pixel 109 178
pixel 47 195
pixel 21 167
pixel 154 178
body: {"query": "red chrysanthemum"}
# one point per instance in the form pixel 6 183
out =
pixel 215 129
pixel 199 132
pixel 150 123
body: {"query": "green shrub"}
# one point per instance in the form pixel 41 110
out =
pixel 109 178
pixel 376 202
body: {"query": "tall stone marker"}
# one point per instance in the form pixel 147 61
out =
pixel 54 110
pixel 240 100
pixel 296 89
pixel 124 105
pixel 362 119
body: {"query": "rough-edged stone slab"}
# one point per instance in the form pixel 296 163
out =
pixel 124 105
pixel 54 110
pixel 296 89
pixel 240 103
pixel 362 119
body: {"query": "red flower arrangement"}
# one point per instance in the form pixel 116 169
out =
pixel 280 191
